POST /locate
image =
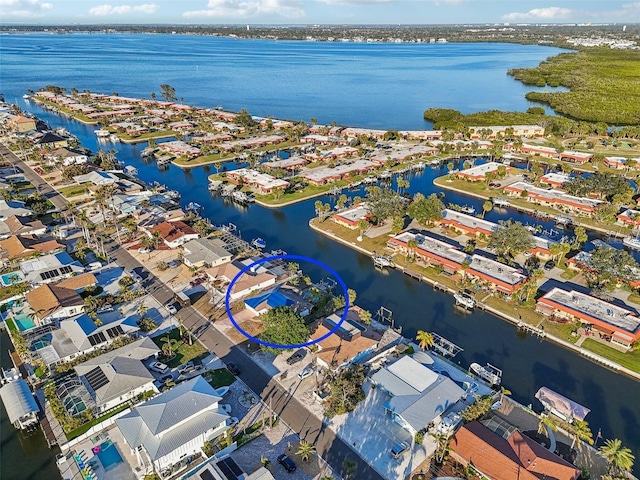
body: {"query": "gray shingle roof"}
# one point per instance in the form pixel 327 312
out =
pixel 18 400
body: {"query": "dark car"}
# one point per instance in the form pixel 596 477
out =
pixel 549 265
pixel 164 378
pixel 297 356
pixel 287 463
pixel 233 368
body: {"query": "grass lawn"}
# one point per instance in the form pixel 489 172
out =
pixel 561 330
pixel 183 352
pixel 568 274
pixel 11 325
pixel 72 190
pixel 630 360
pixel 220 378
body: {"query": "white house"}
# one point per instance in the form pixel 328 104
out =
pixel 249 282
pixel 53 302
pixel 173 425
pixel 205 252
pixel 66 157
pixel 119 375
pixel 50 268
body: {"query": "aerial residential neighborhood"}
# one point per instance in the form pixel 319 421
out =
pixel 196 292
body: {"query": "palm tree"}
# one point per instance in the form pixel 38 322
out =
pixel 442 447
pixel 412 244
pixel 486 207
pixel 425 339
pixel 504 391
pixel 546 421
pixel 581 432
pixel 350 468
pixel 306 449
pixel 157 239
pixel 167 346
pixel 620 458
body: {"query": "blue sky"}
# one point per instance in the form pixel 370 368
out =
pixel 317 11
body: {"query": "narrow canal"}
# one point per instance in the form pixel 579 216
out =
pixel 528 363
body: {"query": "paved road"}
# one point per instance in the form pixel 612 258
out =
pixel 290 409
pixel 36 180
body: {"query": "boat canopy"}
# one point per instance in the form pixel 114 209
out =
pixel 18 400
pixel 560 404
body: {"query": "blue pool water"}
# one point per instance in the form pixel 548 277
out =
pixel 24 323
pixel 109 455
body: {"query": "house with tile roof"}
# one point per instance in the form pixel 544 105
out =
pixel 174 233
pixel 418 396
pixel 119 375
pixel 23 225
pixel 53 302
pixel 499 458
pixel 16 247
pixel 79 282
pixel 173 425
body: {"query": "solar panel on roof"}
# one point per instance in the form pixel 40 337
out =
pixel 66 269
pixel 113 332
pixel 96 378
pixel 207 475
pixel 230 469
pixel 97 338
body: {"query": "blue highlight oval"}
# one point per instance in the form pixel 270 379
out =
pixel 287 257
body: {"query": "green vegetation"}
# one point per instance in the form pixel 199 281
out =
pixel 219 378
pixel 11 325
pixel 283 326
pixel 181 350
pixel 510 239
pixel 477 409
pixel 630 360
pixel 346 391
pixel 449 118
pixel 13 289
pixel 604 83
pixel 72 190
pixel 84 428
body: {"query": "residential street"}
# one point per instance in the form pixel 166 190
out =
pixel 36 180
pixel 294 413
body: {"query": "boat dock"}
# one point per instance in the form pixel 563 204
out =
pixel 530 329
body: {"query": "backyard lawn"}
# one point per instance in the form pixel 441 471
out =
pixel 220 378
pixel 182 351
pixel 630 360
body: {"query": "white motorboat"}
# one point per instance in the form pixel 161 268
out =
pixel 467 209
pixel 383 261
pixel 102 133
pixel 258 243
pixel 631 242
pixel 489 373
pixel 465 300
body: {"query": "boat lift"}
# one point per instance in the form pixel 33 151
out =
pixel 445 347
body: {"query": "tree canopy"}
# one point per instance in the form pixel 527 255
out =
pixel 426 210
pixel 346 391
pixel 168 92
pixel 608 265
pixel 383 203
pixel 283 327
pixel 604 185
pixel 510 239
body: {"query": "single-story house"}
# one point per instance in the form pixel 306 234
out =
pixel 248 283
pixel 516 456
pixel 205 252
pixel 22 225
pixel 16 247
pixel 12 208
pixel 50 268
pixel 66 157
pixel 419 396
pixel 351 217
pixel 175 233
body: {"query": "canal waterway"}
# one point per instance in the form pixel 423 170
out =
pixel 527 362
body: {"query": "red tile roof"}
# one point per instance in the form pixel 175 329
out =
pixel 518 457
pixel 171 231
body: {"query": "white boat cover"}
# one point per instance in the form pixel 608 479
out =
pixel 561 404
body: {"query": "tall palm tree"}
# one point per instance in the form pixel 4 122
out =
pixel 581 432
pixel 504 391
pixel 486 207
pixel 620 458
pixel 546 421
pixel 167 346
pixel 425 339
pixel 306 450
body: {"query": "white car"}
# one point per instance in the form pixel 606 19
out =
pixel 158 367
pixel 171 308
pixel 104 309
pixel 144 250
pixel 306 372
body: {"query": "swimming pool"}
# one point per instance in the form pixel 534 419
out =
pixel 11 278
pixel 108 454
pixel 24 322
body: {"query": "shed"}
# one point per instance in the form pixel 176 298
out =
pixel 21 407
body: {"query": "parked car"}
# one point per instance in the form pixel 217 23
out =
pixel 171 308
pixel 173 263
pixel 306 372
pixel 186 366
pixel 494 185
pixel 297 356
pixel 287 463
pixel 105 308
pixel 399 449
pixel 134 275
pixel 233 368
pixel 549 265
pixel 232 421
pixel 158 367
pixel 144 250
